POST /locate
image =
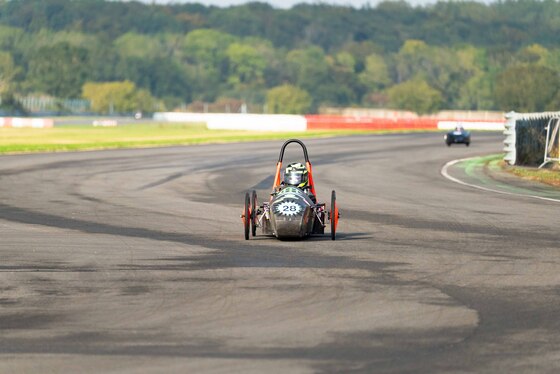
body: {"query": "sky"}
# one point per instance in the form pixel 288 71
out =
pixel 287 3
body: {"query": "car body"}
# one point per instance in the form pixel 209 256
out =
pixel 458 135
pixel 290 213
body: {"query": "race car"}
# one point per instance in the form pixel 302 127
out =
pixel 459 135
pixel 292 212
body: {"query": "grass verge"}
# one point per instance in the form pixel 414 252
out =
pixel 80 138
pixel 548 176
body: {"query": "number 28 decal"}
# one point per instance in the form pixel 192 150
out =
pixel 288 208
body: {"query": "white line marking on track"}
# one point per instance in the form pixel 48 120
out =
pixel 453 179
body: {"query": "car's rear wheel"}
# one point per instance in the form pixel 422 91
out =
pixel 333 215
pixel 247 215
pixel 254 218
pixel 467 144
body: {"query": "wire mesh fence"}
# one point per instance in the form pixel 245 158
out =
pixel 48 104
pixel 530 142
pixel 531 137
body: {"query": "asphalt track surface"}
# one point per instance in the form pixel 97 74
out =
pixel 133 261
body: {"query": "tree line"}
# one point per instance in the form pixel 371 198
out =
pixel 127 56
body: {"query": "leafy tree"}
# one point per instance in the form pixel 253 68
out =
pixel 375 75
pixel 442 68
pixel 246 65
pixel 477 93
pixel 335 94
pixel 334 28
pixel 118 97
pixel 10 37
pixel 8 72
pixel 415 95
pixel 360 51
pixel 91 16
pixel 161 76
pixel 29 43
pixel 59 70
pixel 243 20
pixel 105 63
pixel 308 68
pixel 205 53
pixel 206 46
pixel 525 88
pixel 139 46
pixel 344 62
pixel 533 54
pixel 553 59
pixel 343 87
pixel 288 99
pixel 410 58
pixel 145 46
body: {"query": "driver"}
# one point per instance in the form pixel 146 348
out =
pixel 297 175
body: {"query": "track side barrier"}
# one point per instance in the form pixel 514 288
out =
pixel 281 122
pixel 333 122
pixel 257 122
pixel 17 122
pixel 238 121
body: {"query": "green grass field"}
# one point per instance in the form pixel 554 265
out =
pixel 74 138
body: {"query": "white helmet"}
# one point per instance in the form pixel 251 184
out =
pixel 296 175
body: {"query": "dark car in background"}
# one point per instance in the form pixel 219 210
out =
pixel 458 135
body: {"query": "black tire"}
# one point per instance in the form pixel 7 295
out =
pixel 467 144
pixel 334 215
pixel 254 218
pixel 247 216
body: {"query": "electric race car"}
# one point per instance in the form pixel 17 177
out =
pixel 292 211
pixel 459 135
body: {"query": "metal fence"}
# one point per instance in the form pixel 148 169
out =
pixel 47 104
pixel 526 137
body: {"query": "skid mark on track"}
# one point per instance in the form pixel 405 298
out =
pixel 169 178
pixel 277 254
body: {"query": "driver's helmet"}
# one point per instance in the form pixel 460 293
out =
pixel 296 175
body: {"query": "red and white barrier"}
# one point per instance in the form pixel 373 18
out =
pixel 340 122
pixel 294 123
pixel 17 122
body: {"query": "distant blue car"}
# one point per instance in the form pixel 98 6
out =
pixel 459 135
